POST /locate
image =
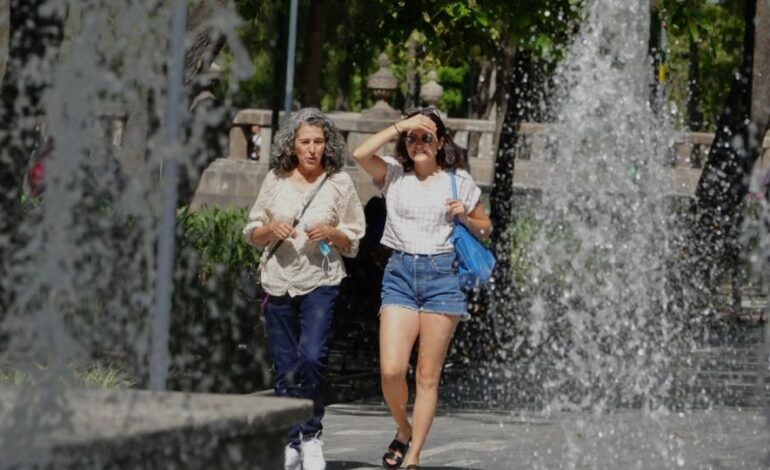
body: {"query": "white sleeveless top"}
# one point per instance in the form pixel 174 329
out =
pixel 418 218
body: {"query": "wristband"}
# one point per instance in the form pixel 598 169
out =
pixel 396 128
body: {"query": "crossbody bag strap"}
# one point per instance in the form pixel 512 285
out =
pixel 295 222
pixel 454 190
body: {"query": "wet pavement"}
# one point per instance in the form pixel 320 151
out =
pixel 723 438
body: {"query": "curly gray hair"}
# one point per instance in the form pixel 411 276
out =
pixel 282 157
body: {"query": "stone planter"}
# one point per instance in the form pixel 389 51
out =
pixel 142 429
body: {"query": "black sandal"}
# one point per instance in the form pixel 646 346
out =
pixel 412 467
pixel 394 449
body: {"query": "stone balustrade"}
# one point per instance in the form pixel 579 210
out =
pixel 235 180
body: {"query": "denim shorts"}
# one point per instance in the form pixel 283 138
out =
pixel 424 283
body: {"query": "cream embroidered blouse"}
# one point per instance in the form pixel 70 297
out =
pixel 298 266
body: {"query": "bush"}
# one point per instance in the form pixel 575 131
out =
pixel 216 341
pixel 216 236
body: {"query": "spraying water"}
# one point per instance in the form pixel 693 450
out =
pixel 83 276
pixel 606 239
pixel 603 323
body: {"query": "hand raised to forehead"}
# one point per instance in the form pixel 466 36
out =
pixel 418 122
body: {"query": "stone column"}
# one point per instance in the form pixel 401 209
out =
pixel 431 92
pixel 381 85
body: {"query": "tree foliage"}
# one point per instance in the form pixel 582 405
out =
pixel 716 30
pixel 456 37
pixel 713 246
pixel 452 35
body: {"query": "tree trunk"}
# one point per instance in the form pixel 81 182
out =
pixel 31 34
pixel 717 208
pixel 412 97
pixel 5 33
pixel 482 337
pixel 760 91
pixel 72 28
pixel 139 125
pixel 482 100
pixel 279 69
pixel 516 108
pixel 137 130
pixel 694 115
pixel 315 40
pixel 206 42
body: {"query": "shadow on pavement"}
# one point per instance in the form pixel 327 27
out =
pixel 344 464
pixel 347 464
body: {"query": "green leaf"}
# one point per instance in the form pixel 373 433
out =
pixel 482 17
pixel 694 33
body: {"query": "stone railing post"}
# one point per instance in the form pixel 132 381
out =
pixel 381 85
pixel 240 133
pixel 431 92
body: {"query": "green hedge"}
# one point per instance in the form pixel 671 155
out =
pixel 217 342
pixel 215 234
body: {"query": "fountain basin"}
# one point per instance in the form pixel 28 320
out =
pixel 142 429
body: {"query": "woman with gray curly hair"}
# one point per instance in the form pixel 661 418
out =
pixel 309 215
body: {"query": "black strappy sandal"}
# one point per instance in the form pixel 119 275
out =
pixel 412 467
pixel 394 449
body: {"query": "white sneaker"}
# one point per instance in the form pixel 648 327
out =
pixel 292 458
pixel 312 454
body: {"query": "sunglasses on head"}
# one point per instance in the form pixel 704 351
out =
pixel 426 139
pixel 428 109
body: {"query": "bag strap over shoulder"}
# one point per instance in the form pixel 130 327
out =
pixel 295 222
pixel 453 179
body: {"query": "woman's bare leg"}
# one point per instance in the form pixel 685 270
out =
pixel 398 331
pixel 435 333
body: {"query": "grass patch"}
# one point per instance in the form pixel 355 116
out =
pixel 105 376
pixel 14 376
pixel 93 376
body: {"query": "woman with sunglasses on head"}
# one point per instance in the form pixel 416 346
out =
pixel 421 294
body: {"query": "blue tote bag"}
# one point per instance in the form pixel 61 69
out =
pixel 475 262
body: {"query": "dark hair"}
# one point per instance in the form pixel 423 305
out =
pixel 449 157
pixel 282 156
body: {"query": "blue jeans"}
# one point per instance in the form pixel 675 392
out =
pixel 297 332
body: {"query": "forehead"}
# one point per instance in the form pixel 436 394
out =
pixel 419 132
pixel 308 131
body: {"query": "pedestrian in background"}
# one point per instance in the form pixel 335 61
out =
pixel 255 142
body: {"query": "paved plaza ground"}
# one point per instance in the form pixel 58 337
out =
pixel 725 438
